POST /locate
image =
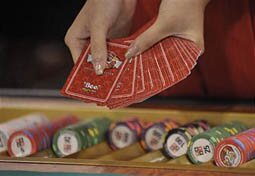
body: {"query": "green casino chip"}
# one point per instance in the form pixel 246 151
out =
pixel 80 136
pixel 67 142
pixel 200 148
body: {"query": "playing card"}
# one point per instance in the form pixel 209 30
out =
pixel 126 84
pixel 184 53
pixel 120 98
pixel 194 51
pixel 176 59
pixel 153 71
pixel 139 86
pixel 84 84
pixel 125 87
pixel 141 79
pixel 152 82
pixel 162 64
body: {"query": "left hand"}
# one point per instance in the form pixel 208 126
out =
pixel 183 19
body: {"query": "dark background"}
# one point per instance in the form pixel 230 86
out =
pixel 32 50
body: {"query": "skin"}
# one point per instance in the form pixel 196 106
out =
pixel 107 19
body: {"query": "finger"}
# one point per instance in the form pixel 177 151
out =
pixel 98 50
pixel 76 47
pixel 77 34
pixel 147 39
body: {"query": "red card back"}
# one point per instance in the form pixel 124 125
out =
pixel 85 85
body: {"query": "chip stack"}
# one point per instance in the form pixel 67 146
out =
pixel 176 141
pixel 32 140
pixel 154 133
pixel 236 150
pixel 122 134
pixel 201 147
pixel 75 138
pixel 28 121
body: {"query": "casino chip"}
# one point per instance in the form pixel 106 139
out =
pixel 153 134
pixel 67 142
pixel 122 134
pixel 31 140
pixel 236 150
pixel 201 147
pixel 74 138
pixel 28 121
pixel 176 141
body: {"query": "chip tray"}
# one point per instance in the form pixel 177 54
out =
pixel 130 160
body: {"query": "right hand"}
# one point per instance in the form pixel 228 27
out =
pixel 99 20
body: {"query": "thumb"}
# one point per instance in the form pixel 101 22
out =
pixel 143 42
pixel 98 50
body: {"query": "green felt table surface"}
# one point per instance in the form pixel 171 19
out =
pixel 27 173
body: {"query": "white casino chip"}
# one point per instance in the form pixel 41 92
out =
pixel 154 137
pixel 176 145
pixel 122 136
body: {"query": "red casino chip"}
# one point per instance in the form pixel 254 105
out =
pixel 22 143
pixel 228 154
pixel 236 150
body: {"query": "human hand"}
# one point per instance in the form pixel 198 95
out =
pixel 181 18
pixel 99 20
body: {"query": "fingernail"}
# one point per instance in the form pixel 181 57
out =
pixel 99 69
pixel 132 51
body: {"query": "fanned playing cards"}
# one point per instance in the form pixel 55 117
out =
pixel 131 81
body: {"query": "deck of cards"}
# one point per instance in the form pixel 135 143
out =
pixel 131 81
